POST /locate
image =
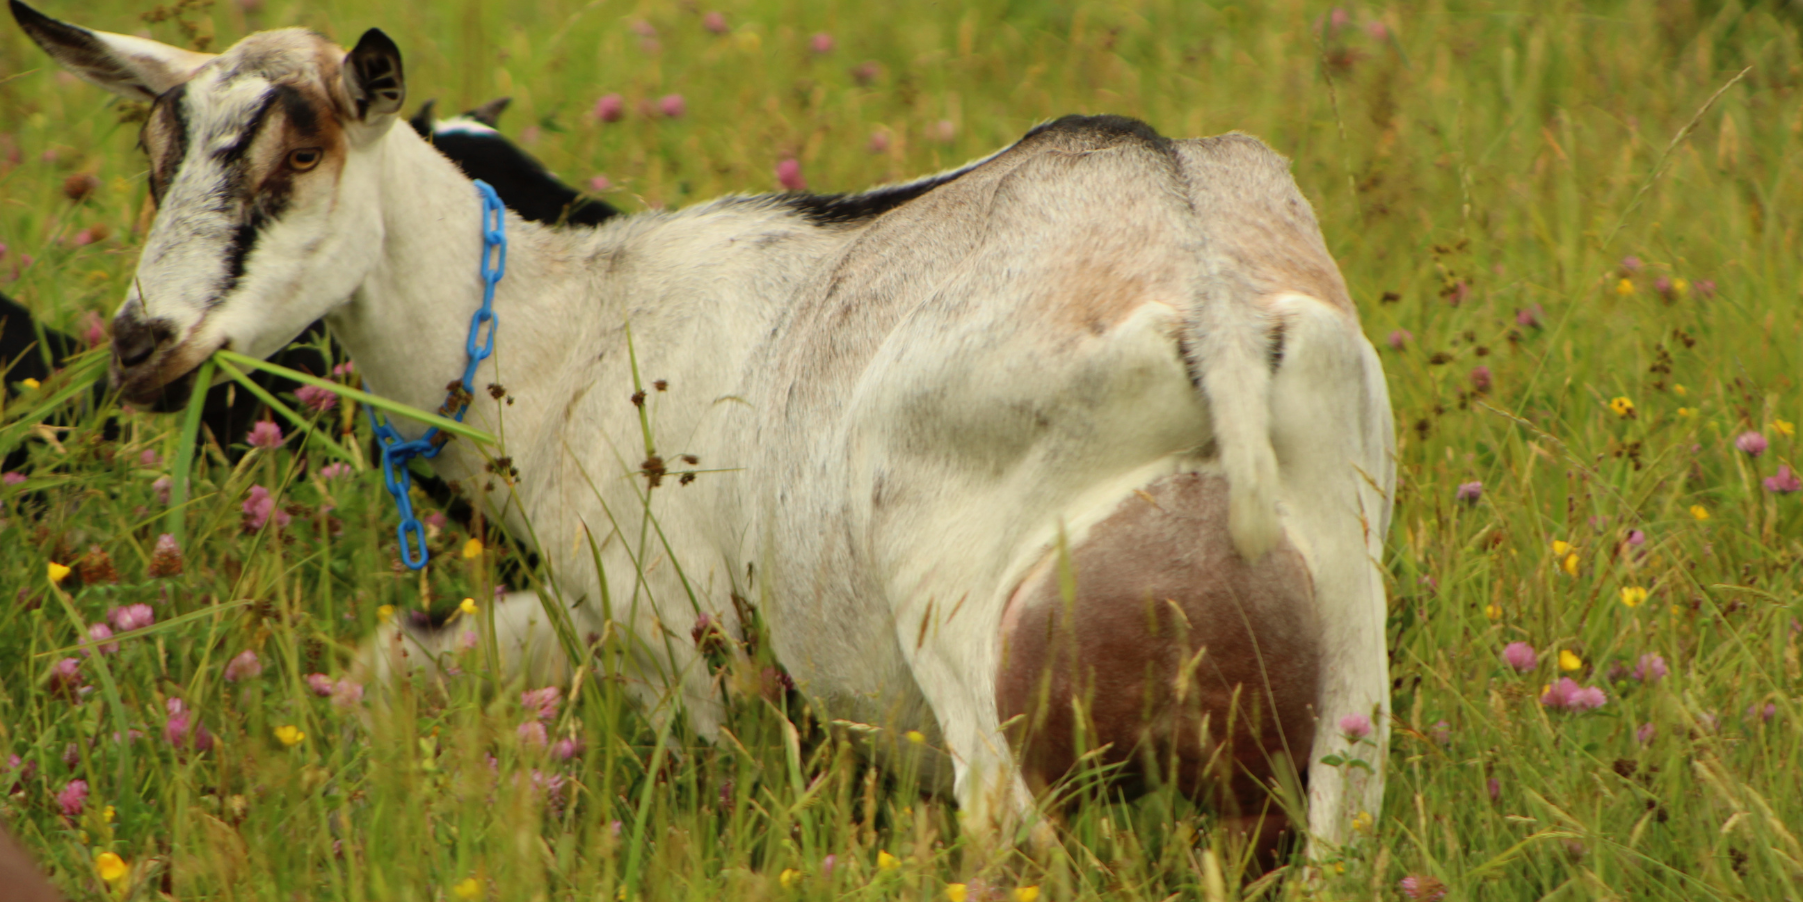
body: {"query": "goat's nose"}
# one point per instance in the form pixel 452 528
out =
pixel 134 339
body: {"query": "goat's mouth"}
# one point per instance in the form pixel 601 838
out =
pixel 164 383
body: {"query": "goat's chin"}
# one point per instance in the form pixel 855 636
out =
pixel 154 392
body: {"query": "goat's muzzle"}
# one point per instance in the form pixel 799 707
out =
pixel 146 369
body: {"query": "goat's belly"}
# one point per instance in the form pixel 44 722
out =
pixel 1174 657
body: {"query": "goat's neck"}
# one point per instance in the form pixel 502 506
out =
pixel 407 325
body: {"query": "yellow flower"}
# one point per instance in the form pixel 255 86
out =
pixel 1700 512
pixel 472 549
pixel 1633 596
pixel 1561 547
pixel 290 735
pixel 1571 565
pixel 1681 286
pixel 1622 406
pixel 1687 412
pixel 110 867
pixel 30 383
pixel 1680 391
pixel 916 737
pixel 1026 893
pixel 1624 287
pixel 789 877
pixel 58 572
pixel 385 613
pixel 1569 661
pixel 1361 822
pixel 468 607
pixel 107 814
pixel 886 861
pixel 956 892
pixel 467 888
pixel 1783 427
pixel 1493 611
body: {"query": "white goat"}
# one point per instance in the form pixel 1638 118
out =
pixel 917 401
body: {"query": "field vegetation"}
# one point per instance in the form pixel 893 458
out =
pixel 1572 231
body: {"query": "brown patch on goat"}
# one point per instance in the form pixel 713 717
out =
pixel 1180 661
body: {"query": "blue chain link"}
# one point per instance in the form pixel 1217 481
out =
pixel 395 451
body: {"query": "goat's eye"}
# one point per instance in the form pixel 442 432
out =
pixel 304 158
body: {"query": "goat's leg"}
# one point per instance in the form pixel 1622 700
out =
pixel 523 637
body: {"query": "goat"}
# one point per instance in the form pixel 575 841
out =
pixel 1078 433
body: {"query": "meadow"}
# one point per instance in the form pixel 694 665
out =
pixel 1572 231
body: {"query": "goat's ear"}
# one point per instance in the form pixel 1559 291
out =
pixel 137 68
pixel 489 114
pixel 372 77
pixel 423 120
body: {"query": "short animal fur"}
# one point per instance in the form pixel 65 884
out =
pixel 1082 434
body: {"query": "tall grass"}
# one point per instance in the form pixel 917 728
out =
pixel 1540 208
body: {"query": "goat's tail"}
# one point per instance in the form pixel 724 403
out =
pixel 1230 340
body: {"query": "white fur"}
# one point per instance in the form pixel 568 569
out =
pixel 904 413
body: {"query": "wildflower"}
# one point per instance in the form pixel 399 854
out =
pixel 542 702
pixel 1624 287
pixel 714 22
pixel 1631 264
pixel 1026 893
pixel 320 684
pixel 1623 407
pixel 672 106
pixel 943 131
pixel 316 398
pixel 1480 379
pixel 1493 786
pixel 1363 822
pixel 266 434
pixel 956 892
pixel 290 735
pixel 1784 428
pixel 385 613
pixel 472 549
pixel 886 861
pixel 1783 482
pixel 468 607
pixel 1441 732
pixel 599 183
pixel 1570 564
pixel 1521 656
pixel 1377 30
pixel 1636 538
pixel 789 877
pixel 1569 661
pixel 1493 611
pixel 111 867
pixel 1663 285
pixel 610 108
pixel 866 72
pixel 243 667
pixel 1530 316
pixel 100 632
pixel 1752 444
pixel 345 369
pixel 1457 293
pixel 532 733
pixel 467 888
pixel 93 329
pixel 788 174
pixel 1645 734
pixel 1705 288
pixel 1567 694
pixel 73 798
pixel 1355 727
pixel 1651 668
pixel 67 672
pixel 12 477
pixel 1470 492
pixel 165 558
pixel 131 617
pixel 566 748
pixel 259 507
pixel 1561 547
pixel 1687 412
pixel 161 487
pixel 1399 339
pixel 1699 512
pixel 827 864
pixel 1763 715
pixel 1633 596
pixel 1422 888
pixel 58 572
pixel 916 737
pixel 30 383
pixel 346 693
pixel 334 470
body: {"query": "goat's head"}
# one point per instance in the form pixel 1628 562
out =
pixel 263 165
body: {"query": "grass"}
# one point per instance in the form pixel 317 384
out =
pixel 1521 189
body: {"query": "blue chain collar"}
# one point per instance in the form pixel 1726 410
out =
pixel 395 451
